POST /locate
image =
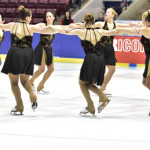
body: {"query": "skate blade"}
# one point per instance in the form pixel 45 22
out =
pixel 16 113
pixel 99 110
pixel 109 95
pixel 43 93
pixel 33 108
pixel 88 114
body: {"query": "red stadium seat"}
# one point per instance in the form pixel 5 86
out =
pixel 32 1
pixel 10 12
pixel 15 19
pixel 23 2
pixel 64 2
pixel 32 4
pixel 52 3
pixel 42 4
pixel 32 10
pixel 3 5
pixel 4 1
pixel 62 6
pixel 7 20
pixel 37 20
pixel 40 12
pixel 13 1
pixel 2 11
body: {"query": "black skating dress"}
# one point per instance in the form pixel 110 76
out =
pixel 44 49
pixel 93 67
pixel 19 59
pixel 146 44
pixel 110 52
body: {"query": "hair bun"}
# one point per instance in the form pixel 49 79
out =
pixel 21 9
pixel 89 16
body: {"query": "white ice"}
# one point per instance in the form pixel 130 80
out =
pixel 56 124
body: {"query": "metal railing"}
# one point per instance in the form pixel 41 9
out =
pixel 76 4
pixel 125 3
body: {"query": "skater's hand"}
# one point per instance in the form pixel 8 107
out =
pixel 67 29
pixel 2 22
pixel 138 24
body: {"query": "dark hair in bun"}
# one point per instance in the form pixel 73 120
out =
pixel 24 12
pixel 89 18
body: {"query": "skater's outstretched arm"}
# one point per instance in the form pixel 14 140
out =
pixel 132 31
pixel 7 27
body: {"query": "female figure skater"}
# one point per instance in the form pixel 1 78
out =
pixel 19 61
pixel 109 54
pixel 1 36
pixel 145 40
pixel 43 56
pixel 146 44
pixel 93 67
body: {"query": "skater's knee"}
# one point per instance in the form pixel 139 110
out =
pixel 23 82
pixel 81 82
pixel 51 68
pixel 41 70
pixel 112 70
pixel 14 83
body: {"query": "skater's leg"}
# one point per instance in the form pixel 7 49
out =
pixel 26 84
pixel 84 89
pixel 46 76
pixel 14 79
pixel 41 69
pixel 108 76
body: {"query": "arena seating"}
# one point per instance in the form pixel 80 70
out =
pixel 9 8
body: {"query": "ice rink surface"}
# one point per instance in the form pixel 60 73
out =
pixel 56 124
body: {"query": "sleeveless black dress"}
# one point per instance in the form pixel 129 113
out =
pixel 46 45
pixel 93 67
pixel 110 52
pixel 19 59
pixel 146 44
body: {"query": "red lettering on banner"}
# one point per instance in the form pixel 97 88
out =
pixel 129 50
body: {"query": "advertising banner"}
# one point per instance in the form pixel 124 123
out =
pixel 129 49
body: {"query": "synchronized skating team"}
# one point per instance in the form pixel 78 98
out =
pixel 96 40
